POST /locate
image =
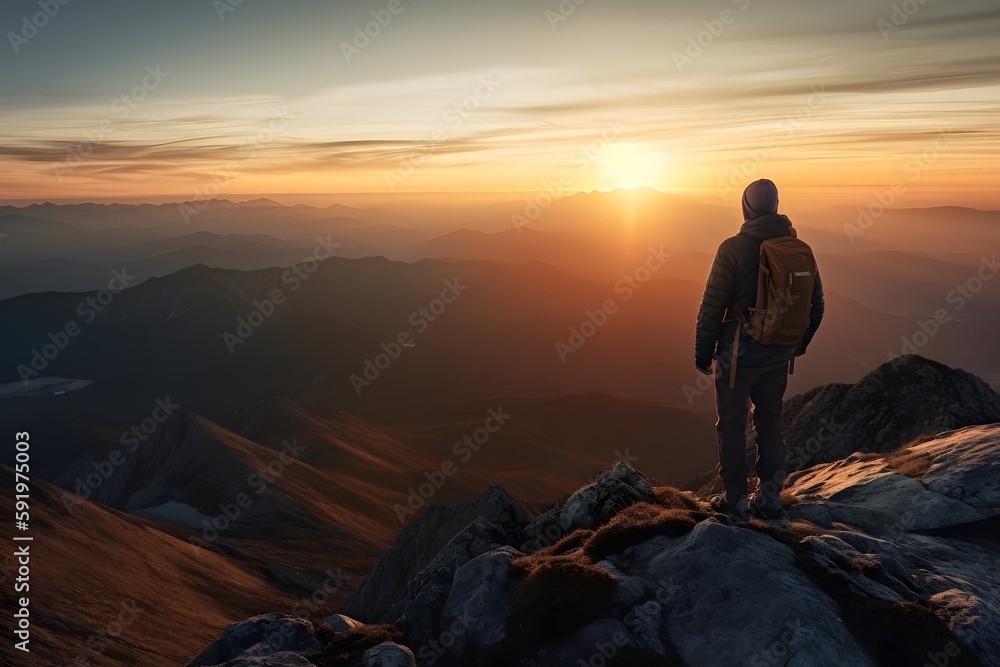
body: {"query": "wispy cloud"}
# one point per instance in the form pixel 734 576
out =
pixel 359 119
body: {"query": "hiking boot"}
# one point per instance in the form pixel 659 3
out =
pixel 766 507
pixel 738 511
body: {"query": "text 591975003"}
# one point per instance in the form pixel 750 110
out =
pixel 22 548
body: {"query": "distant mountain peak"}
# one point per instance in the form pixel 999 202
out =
pixel 260 201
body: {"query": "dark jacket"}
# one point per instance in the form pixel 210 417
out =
pixel 734 276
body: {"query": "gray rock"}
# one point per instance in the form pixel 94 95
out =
pixel 962 576
pixel 342 623
pixel 964 465
pixel 544 531
pixel 955 499
pixel 283 659
pixel 481 600
pixel 901 400
pixel 627 591
pixel 591 506
pixel 597 643
pixel 420 542
pixel 261 636
pixel 975 621
pixel 813 512
pixel 959 485
pixel 837 555
pixel 388 654
pixel 645 622
pixel 418 613
pixel 419 606
pixel 610 492
pixel 727 577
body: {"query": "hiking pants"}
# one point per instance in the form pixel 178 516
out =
pixel 765 389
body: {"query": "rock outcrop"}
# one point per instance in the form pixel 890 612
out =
pixel 901 400
pixel 887 558
pixel 421 541
pixel 278 640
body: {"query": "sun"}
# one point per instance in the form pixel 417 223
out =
pixel 632 165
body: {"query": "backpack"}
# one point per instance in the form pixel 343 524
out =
pixel 785 282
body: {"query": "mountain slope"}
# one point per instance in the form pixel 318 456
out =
pixel 544 447
pixel 199 475
pixel 112 589
pixel 332 440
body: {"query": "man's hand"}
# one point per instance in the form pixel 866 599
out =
pixel 702 367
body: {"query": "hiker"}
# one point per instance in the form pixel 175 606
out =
pixel 767 316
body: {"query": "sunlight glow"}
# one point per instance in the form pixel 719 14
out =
pixel 632 165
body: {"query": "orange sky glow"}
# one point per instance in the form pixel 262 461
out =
pixel 833 103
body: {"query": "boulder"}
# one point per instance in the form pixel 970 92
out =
pixel 481 600
pixel 388 654
pixel 420 542
pixel 609 493
pixel 949 480
pixel 341 623
pixel 601 642
pixel 737 595
pixel 645 622
pixel 259 637
pixel 901 400
pixel 628 591
pixel 591 506
pixel 419 606
pixel 283 659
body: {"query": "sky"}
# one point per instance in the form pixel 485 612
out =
pixel 201 98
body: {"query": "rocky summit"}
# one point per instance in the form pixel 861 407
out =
pixel 887 558
pixel 902 399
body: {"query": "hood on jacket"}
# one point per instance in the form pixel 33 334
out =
pixel 767 227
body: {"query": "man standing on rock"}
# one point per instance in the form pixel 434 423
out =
pixel 767 316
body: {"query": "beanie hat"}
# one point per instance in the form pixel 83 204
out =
pixel 760 198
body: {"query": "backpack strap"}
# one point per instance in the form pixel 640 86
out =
pixel 736 344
